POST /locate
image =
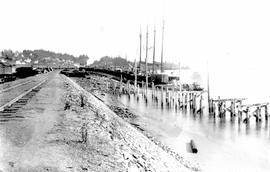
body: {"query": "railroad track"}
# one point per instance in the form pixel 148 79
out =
pixel 16 82
pixel 9 108
pixel 15 86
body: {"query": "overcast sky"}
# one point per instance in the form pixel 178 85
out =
pixel 194 29
pixel 229 34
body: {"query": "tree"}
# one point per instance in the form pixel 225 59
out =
pixel 8 55
pixel 82 59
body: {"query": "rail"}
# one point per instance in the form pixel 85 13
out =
pixel 15 86
pixel 21 95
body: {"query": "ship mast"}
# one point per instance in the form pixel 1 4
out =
pixel 180 87
pixel 135 83
pixel 208 87
pixel 140 49
pixel 146 73
pixel 154 50
pixel 161 69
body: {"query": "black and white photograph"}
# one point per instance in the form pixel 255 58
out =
pixel 134 86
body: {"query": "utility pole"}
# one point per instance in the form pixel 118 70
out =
pixel 154 50
pixel 162 48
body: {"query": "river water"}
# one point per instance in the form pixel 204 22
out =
pixel 223 144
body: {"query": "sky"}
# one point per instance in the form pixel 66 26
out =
pixel 231 36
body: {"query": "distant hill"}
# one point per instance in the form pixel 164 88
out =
pixel 42 58
pixel 106 62
pixel 111 62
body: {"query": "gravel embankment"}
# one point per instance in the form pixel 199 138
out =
pixel 123 147
pixel 96 86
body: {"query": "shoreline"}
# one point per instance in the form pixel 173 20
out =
pixel 123 112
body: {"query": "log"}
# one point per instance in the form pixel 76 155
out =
pixel 193 146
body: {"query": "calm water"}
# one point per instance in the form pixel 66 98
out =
pixel 223 144
pixel 231 82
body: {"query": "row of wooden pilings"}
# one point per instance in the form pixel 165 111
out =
pixel 167 95
pixel 235 108
pixel 170 96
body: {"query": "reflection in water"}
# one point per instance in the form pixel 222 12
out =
pixel 258 126
pixel 239 127
pixel 219 140
pixel 265 126
pixel 247 127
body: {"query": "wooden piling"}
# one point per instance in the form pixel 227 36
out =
pixel 179 99
pixel 142 90
pixel 259 114
pixel 240 112
pixel 219 107
pixel 232 108
pixel 128 87
pixel 186 100
pixel 266 112
pixel 246 120
pixel 166 94
pixel 153 89
pixel 173 96
pixel 194 102
pixel 234 104
pixel 169 98
pixel 176 100
pixel 201 110
pixel 161 94
pixel 214 108
pixel 121 81
pixel 156 94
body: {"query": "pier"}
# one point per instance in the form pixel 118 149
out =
pixel 166 107
pixel 171 96
pixel 236 108
pixel 168 96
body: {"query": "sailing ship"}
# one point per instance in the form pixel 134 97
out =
pixel 153 76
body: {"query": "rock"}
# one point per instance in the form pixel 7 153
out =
pixel 11 164
pixel 84 168
pixel 126 155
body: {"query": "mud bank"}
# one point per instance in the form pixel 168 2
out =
pixel 97 87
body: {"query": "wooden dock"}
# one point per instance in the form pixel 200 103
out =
pixel 171 96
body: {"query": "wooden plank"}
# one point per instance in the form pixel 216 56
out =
pixel 235 99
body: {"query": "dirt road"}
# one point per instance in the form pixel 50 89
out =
pixel 24 143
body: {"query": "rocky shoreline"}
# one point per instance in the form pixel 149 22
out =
pixel 96 86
